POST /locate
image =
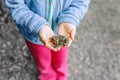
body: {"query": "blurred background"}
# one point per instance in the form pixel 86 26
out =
pixel 94 55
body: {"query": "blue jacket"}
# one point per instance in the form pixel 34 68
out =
pixel 30 15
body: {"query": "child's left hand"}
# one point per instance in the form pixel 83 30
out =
pixel 68 30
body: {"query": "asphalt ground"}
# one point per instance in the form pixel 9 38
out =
pixel 94 55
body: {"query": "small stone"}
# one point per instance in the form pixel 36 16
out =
pixel 62 38
pixel 55 40
pixel 12 78
pixel 59 41
pixel 66 41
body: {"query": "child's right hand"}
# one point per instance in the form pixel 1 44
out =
pixel 45 34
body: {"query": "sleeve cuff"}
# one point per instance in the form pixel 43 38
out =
pixel 39 25
pixel 68 19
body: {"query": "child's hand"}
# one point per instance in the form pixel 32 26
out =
pixel 45 34
pixel 68 30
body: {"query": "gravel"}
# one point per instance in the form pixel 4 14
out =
pixel 94 55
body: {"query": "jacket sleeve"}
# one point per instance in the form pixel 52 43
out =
pixel 75 12
pixel 23 16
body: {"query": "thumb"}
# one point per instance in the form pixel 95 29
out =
pixel 70 41
pixel 60 32
pixel 47 44
pixel 72 34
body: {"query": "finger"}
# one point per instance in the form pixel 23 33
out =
pixel 72 34
pixel 63 33
pixel 58 48
pixel 60 32
pixel 53 45
pixel 48 44
pixel 70 41
pixel 50 47
pixel 42 40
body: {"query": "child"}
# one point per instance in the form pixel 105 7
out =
pixel 38 21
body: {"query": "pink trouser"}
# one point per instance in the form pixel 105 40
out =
pixel 50 65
